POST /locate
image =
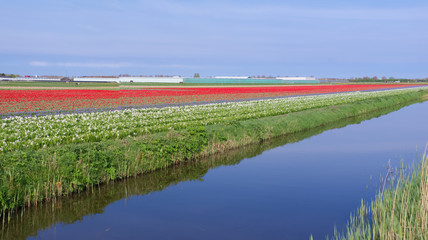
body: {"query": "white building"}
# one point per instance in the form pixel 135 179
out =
pixel 232 77
pixel 297 78
pixel 152 79
pixel 132 79
pixel 100 79
pixel 31 79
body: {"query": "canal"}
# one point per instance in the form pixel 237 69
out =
pixel 285 188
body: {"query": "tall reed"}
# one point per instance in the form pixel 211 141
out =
pixel 397 213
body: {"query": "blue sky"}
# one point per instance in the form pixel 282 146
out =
pixel 328 38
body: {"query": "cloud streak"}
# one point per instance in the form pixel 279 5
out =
pixel 243 10
pixel 79 64
pixel 106 65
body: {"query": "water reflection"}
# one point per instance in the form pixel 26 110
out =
pixel 29 221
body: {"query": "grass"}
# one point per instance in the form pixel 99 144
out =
pixel 28 177
pixel 100 85
pixel 20 84
pixel 397 213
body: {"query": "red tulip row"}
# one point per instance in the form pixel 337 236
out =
pixel 40 100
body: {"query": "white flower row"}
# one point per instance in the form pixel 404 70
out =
pixel 37 132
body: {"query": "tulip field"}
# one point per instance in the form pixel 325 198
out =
pixel 31 100
pixel 35 132
pixel 55 142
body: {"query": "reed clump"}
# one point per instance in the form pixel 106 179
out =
pixel 397 213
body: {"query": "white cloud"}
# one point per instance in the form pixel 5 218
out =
pixel 254 11
pixel 93 64
pixel 80 64
pixel 40 64
pixel 107 65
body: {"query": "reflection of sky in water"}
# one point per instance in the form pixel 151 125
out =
pixel 288 192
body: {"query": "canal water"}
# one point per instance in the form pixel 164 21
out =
pixel 286 188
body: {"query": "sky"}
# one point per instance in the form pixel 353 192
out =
pixel 329 38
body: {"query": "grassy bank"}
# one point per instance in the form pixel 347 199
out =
pixel 30 176
pixel 397 213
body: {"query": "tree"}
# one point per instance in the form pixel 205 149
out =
pixel 196 75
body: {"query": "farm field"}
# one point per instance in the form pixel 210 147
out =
pixel 332 183
pixel 35 100
pixel 57 142
pixel 40 131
